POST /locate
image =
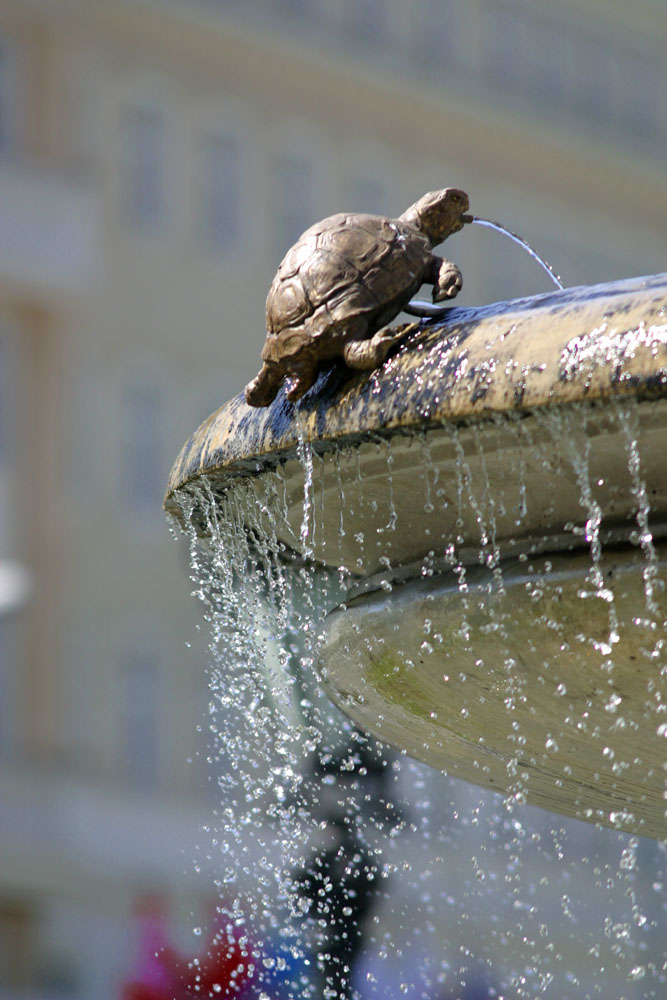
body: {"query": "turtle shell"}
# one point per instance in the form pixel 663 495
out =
pixel 341 267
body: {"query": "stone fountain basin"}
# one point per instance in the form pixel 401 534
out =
pixel 513 690
pixel 464 453
pixel 512 479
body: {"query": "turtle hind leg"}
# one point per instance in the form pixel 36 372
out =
pixel 264 387
pixel 366 355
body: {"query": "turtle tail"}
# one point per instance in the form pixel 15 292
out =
pixel 264 387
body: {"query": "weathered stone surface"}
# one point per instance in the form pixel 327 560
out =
pixel 593 342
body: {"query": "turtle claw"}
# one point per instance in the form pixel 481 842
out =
pixel 300 379
pixel 389 336
pixel 365 355
pixel 295 389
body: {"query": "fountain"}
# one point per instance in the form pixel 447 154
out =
pixel 495 479
pixel 467 546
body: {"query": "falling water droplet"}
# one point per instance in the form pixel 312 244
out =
pixel 267 715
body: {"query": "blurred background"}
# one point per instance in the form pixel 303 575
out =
pixel 157 158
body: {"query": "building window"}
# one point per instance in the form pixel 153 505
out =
pixel 368 19
pixel 8 96
pixel 12 397
pixel 503 56
pixel 7 379
pixel 437 32
pixel 295 8
pixel 550 61
pixel 85 414
pixel 7 705
pixel 641 102
pixel 142 471
pixel 595 72
pixel 139 712
pixel 19 944
pixel 293 200
pixel 143 168
pixel 366 194
pixel 14 581
pixel 220 191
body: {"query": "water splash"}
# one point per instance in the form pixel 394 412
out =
pixel 463 865
pixel 627 417
pixel 523 244
pixel 307 531
pixel 569 426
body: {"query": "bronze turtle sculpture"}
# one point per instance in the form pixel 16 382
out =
pixel 343 280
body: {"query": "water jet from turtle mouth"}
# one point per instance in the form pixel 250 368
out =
pixel 521 242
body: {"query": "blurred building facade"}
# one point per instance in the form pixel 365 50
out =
pixel 157 157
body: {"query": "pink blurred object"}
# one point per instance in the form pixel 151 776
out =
pixel 220 971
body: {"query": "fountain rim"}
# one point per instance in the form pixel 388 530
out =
pixel 474 364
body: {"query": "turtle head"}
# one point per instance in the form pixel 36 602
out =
pixel 438 214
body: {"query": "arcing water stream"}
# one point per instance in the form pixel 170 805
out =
pixel 417 307
pixel 456 891
pixel 523 244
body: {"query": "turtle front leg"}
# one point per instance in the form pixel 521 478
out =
pixel 446 279
pixel 366 355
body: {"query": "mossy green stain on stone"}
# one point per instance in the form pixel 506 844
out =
pixel 389 675
pixel 399 685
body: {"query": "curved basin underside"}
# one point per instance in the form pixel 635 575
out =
pixel 502 511
pixel 518 688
